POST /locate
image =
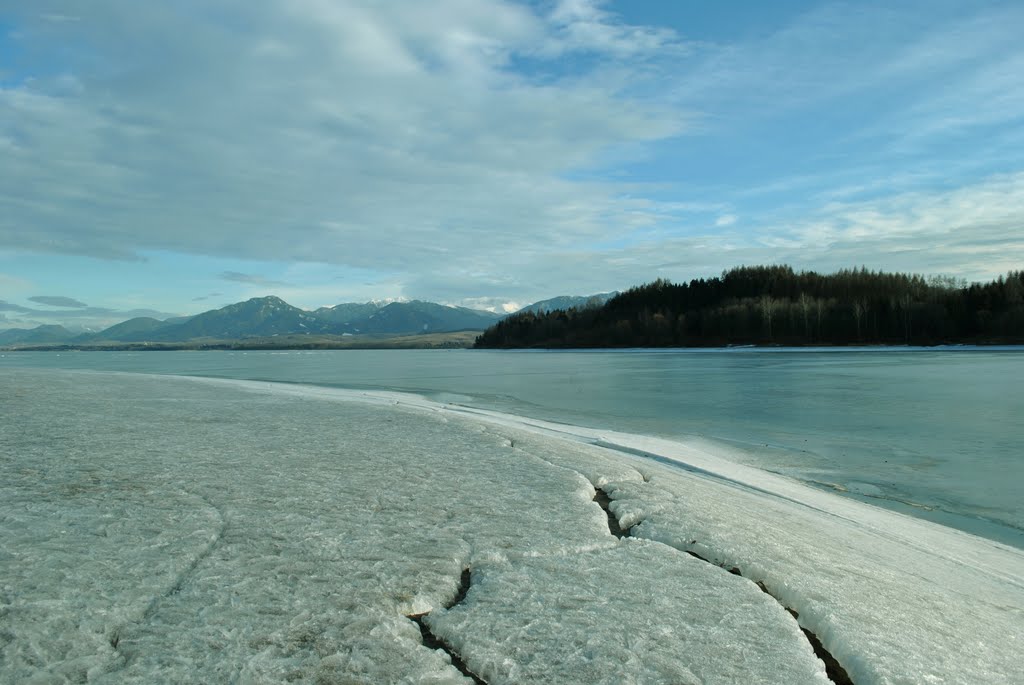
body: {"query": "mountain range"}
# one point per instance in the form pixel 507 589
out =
pixel 269 317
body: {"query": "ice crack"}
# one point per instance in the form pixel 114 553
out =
pixel 203 554
pixel 603 501
pixel 432 641
pixel 833 669
pixel 179 581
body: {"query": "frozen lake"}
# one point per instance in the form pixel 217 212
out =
pixel 161 529
pixel 936 433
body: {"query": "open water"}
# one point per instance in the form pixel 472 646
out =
pixel 936 433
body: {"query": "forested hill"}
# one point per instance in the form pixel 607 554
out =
pixel 774 305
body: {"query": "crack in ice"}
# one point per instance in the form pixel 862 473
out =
pixel 432 641
pixel 835 671
pixel 603 501
pixel 175 588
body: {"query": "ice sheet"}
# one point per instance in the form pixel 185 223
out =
pixel 159 530
pixel 168 529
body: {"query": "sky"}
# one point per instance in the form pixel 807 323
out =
pixel 164 158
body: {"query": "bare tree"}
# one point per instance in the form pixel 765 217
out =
pixel 767 305
pixel 805 309
pixel 860 308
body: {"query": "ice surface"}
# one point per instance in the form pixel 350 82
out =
pixel 639 612
pixel 157 529
pixel 895 599
pixel 887 607
pixel 164 530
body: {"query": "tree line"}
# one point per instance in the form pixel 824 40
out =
pixel 774 305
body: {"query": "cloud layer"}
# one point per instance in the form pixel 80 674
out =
pixel 494 150
pixel 57 301
pixel 378 135
pixel 87 318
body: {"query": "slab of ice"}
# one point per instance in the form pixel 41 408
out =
pixel 893 598
pixel 639 612
pixel 168 529
pixel 888 608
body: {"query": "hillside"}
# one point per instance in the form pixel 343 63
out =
pixel 132 330
pixel 258 317
pixel 40 334
pixel 566 302
pixel 424 317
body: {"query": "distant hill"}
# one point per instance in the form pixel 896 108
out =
pixel 269 318
pixel 348 314
pixel 566 302
pixel 258 317
pixel 133 330
pixel 39 334
pixel 424 317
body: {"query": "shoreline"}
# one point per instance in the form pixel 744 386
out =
pixel 821 464
pixel 692 456
pixel 727 450
pixel 463 340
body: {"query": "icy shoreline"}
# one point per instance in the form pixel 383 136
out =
pixel 208 529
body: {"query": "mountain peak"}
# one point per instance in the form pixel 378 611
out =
pixel 267 299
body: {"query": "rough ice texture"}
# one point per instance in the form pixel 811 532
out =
pixel 162 529
pixel 638 612
pixel 889 609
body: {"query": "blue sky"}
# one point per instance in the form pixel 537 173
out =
pixel 171 157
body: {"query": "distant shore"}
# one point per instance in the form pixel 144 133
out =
pixel 462 340
pixel 426 341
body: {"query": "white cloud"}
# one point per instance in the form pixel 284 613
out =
pixel 438 147
pixel 582 25
pixel 79 319
pixel 973 231
pixel 375 135
pixel 922 74
pixel 250 279
pixel 489 304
